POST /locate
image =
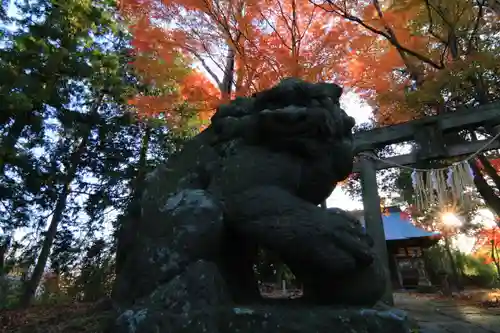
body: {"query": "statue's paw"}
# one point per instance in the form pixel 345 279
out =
pixel 350 224
pixel 349 235
pixel 358 234
pixel 338 213
pixel 355 246
pixel 362 286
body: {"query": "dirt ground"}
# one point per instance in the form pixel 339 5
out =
pixel 444 315
pixel 471 312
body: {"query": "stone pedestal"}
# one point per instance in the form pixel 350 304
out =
pixel 197 301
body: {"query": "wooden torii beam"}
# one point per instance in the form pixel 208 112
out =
pixel 448 122
pixel 428 133
pixel 412 158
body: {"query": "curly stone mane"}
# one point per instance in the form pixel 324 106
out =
pixel 298 117
pixel 253 179
pixel 308 111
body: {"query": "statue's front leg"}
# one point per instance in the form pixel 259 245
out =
pixel 324 249
pixel 237 257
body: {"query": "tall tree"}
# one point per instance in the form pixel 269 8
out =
pixel 80 149
pixel 243 46
pixel 417 58
pixel 68 111
pixel 488 246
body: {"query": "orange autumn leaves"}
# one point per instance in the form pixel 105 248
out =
pixel 380 58
pixel 162 66
pixel 385 50
pixel 192 88
pixel 414 55
pixel 294 38
pixel 488 244
pixel 251 44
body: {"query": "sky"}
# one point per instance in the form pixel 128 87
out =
pixel 361 112
pixel 353 105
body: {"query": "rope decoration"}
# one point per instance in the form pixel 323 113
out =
pixel 435 187
pixel 439 186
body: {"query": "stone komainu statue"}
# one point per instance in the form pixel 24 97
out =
pixel 254 177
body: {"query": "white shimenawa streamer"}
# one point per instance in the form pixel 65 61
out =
pixel 441 185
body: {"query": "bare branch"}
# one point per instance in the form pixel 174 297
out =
pixel 282 12
pixel 282 39
pixel 431 24
pixel 205 66
pixel 386 34
pixel 308 25
pixel 474 37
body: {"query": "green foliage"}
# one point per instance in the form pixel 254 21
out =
pixel 477 272
pixel 96 273
pixel 472 270
pixel 72 154
pixel 10 291
pixel 270 268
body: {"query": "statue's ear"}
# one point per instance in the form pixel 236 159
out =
pixel 334 91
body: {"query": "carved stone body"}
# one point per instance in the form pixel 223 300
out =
pixel 253 178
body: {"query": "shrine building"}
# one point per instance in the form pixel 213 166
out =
pixel 406 246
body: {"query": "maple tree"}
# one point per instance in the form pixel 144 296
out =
pixel 242 46
pixel 487 246
pixel 171 84
pixel 295 38
pixel 415 58
pixel 495 163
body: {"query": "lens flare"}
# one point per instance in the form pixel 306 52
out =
pixel 450 220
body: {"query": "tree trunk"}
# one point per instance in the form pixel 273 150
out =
pixel 485 190
pixel 453 264
pixel 32 284
pixel 4 246
pixel 228 79
pixel 490 170
pixel 129 226
pixel 279 273
pixel 495 258
pixel 488 194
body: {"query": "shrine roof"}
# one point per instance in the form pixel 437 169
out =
pixel 398 226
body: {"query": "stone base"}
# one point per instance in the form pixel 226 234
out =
pixel 197 301
pixel 313 319
pixel 272 319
